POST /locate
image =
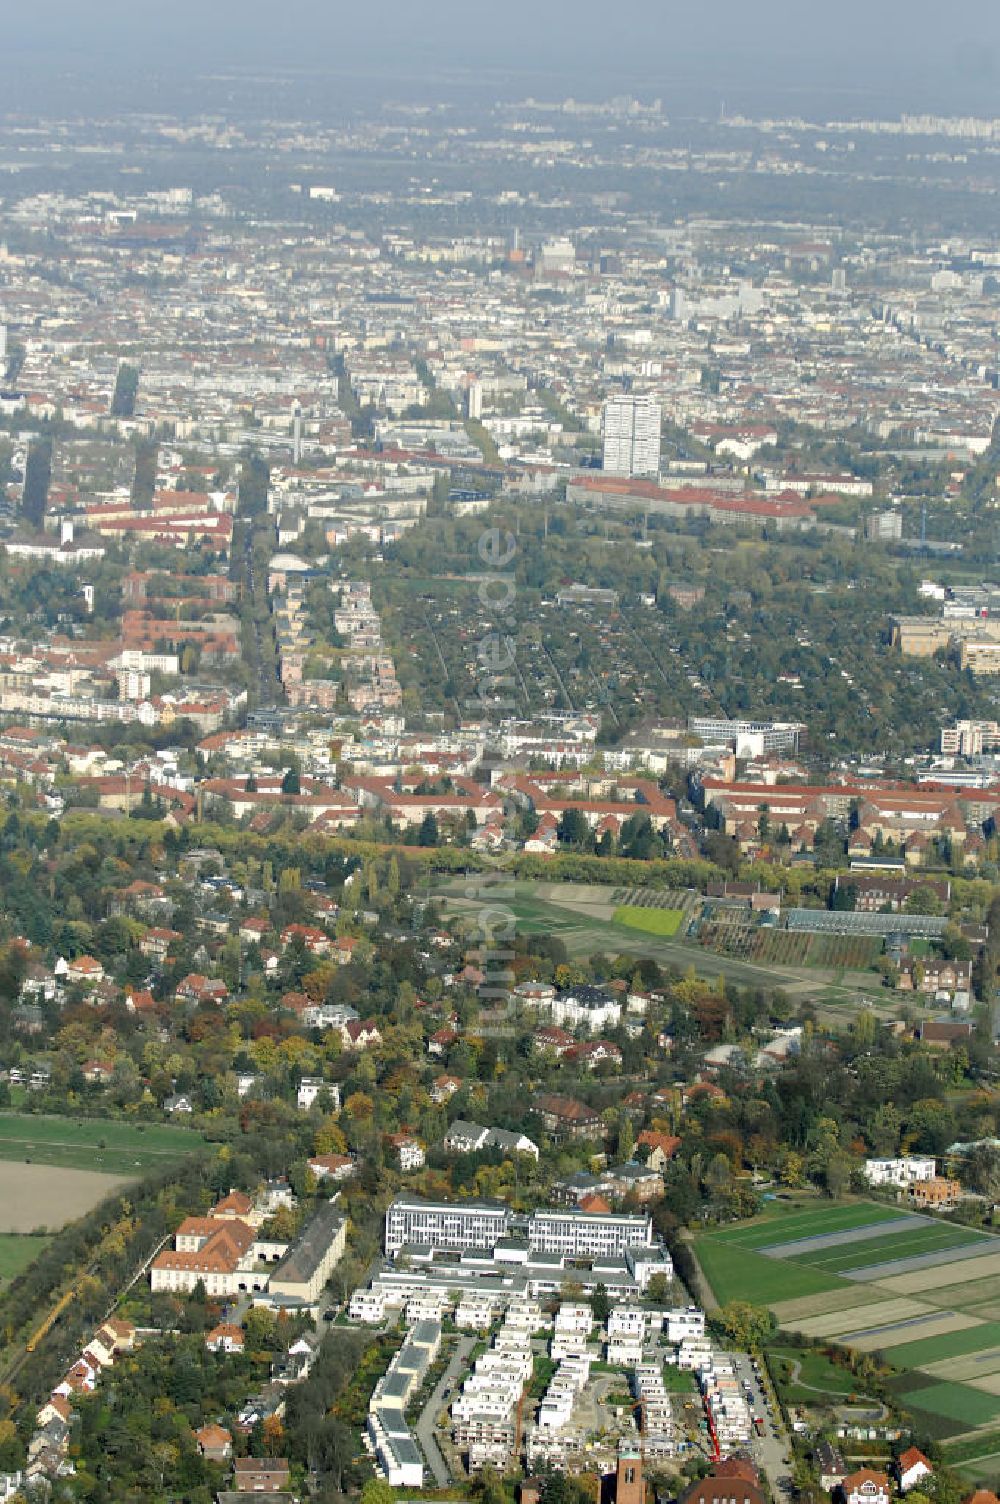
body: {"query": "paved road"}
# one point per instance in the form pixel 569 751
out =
pixel 770 1450
pixel 454 1373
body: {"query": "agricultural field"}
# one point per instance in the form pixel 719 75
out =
pixel 976 1457
pixel 93 1143
pixel 735 933
pixel 44 1197
pixel 652 921
pixel 582 916
pixel 915 1290
pixel 836 952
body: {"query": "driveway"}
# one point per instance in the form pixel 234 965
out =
pixel 458 1367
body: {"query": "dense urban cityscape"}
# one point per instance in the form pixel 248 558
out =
pixel 500 763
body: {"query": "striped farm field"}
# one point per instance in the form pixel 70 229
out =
pixel 931 1324
pixel 933 1237
pixel 986 1310
pixel 973 1272
pixel 785 1225
pixel 979 1295
pixel 856 1318
pixel 791 1313
pixel 984 1472
pixel 975 1370
pixel 945 1409
pixel 973 1339
pixel 921 1291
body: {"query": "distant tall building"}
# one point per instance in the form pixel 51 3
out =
pixel 3 349
pixel 474 401
pixel 296 433
pixel 884 527
pixel 632 436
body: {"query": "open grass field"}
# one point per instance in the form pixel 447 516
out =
pixel 650 921
pixel 93 1143
pixel 809 1377
pixel 16 1253
pixel 738 1273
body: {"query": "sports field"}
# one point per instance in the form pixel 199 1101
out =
pixel 920 1292
pixel 650 921
pixel 93 1143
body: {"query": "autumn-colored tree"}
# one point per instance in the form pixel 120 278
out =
pixel 273 1436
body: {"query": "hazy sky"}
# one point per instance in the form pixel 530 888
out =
pixel 900 54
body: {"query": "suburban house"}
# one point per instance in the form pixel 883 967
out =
pixel 215 1443
pixel 564 1117
pixel 407 1151
pixel 261 1475
pixel 913 1467
pixel 225 1338
pixel 866 1486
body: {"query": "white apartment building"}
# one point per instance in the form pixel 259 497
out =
pixel 571 1330
pixel 623 1351
pixel 429 1305
pixel 682 1324
pixel 593 1013
pixel 582 1235
pixel 657 1413
pixel 367 1306
pixel 444 1224
pixel 484 1414
pixel 693 1353
pixel 627 1321
pixel 970 738
pixel 310 1088
pixel 631 428
pixel 900 1172
pixel 474 1313
pixel 388 1436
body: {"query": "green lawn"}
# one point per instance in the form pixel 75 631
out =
pixel 651 921
pixel 93 1143
pixel 820 1381
pixel 817 1370
pixel 971 1339
pixel 934 1237
pixel 17 1252
pixel 737 1273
